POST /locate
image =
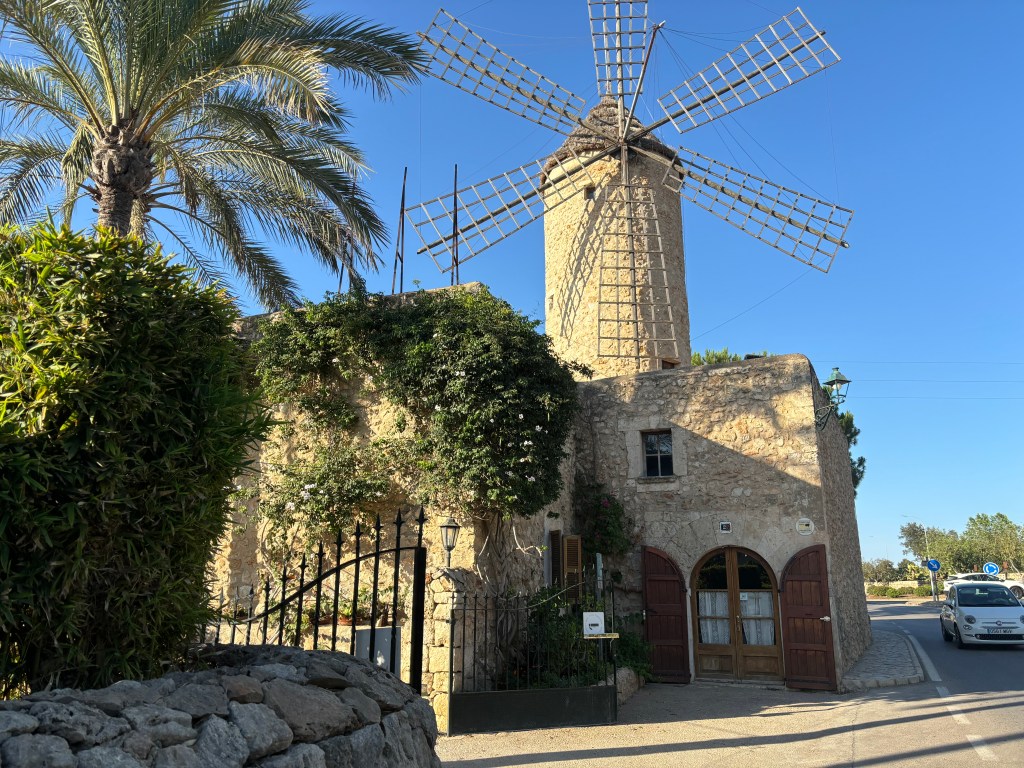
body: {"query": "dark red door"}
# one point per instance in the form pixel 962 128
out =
pixel 806 623
pixel 665 623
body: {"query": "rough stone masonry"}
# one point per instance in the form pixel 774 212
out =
pixel 258 706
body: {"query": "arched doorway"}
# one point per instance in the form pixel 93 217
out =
pixel 665 617
pixel 736 617
pixel 810 658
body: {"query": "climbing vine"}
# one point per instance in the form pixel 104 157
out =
pixel 482 407
pixel 601 518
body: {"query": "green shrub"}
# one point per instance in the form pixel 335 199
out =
pixel 924 590
pixel 124 419
pixel 893 592
pixel 906 590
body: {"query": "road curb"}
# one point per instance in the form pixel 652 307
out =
pixel 885 664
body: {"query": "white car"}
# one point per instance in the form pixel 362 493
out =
pixel 1016 587
pixel 982 613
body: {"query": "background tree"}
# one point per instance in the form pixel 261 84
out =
pixel 995 538
pixel 208 124
pixel 880 570
pixel 858 465
pixel 714 356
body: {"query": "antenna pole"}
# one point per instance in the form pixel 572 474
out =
pixel 455 227
pixel 399 271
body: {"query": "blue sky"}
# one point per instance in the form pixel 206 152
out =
pixel 917 129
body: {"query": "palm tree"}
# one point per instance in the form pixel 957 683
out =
pixel 212 114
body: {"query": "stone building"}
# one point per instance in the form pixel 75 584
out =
pixel 745 559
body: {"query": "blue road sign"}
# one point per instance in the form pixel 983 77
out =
pixel 933 565
pixel 991 569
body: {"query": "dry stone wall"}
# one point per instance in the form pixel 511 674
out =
pixel 259 706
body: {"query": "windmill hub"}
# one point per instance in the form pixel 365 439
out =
pixel 601 129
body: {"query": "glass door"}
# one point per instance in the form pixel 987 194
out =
pixel 736 614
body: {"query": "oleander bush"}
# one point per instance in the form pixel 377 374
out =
pixel 124 417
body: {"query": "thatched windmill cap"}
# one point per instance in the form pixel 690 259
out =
pixel 605 119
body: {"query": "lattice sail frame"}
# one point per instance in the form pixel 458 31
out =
pixel 460 57
pixel 618 29
pixel 634 307
pixel 782 54
pixel 808 229
pixel 494 209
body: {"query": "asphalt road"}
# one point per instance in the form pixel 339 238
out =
pixel 981 688
pixel 971 710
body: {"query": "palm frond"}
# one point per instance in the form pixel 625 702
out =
pixel 74 168
pixel 28 168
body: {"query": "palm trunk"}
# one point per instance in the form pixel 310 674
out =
pixel 115 208
pixel 123 170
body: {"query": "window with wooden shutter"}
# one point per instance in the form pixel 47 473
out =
pixel 556 557
pixel 572 566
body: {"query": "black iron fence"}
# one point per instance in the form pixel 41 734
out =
pixel 353 595
pixel 526 662
pixel 537 641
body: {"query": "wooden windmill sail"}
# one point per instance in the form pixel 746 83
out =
pixel 610 194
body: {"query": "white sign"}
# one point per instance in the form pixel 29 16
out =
pixel 805 526
pixel 593 623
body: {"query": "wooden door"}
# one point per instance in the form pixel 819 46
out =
pixel 665 612
pixel 806 623
pixel 735 608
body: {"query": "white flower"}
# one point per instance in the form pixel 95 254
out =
pixel 309 486
pixel 527 442
pixel 538 428
pixel 492 421
pixel 305 495
pixel 520 417
pixel 290 506
pixel 437 407
pixel 335 360
pixel 532 479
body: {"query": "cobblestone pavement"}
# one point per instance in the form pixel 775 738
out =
pixel 889 660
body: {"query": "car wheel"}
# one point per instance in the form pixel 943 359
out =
pixel 959 640
pixel 1017 592
pixel 945 632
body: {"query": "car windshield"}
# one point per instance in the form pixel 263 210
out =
pixel 976 597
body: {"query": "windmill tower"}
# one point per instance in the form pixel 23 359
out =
pixel 609 196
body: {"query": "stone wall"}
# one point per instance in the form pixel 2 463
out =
pixel 851 624
pixel 260 706
pixel 745 451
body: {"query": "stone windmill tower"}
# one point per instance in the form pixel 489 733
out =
pixel 609 196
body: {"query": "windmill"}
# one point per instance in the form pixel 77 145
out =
pixel 609 196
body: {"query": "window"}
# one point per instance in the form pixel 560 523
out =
pixel 667 365
pixel 588 193
pixel 658 453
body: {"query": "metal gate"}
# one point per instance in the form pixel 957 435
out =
pixel 522 662
pixel 332 592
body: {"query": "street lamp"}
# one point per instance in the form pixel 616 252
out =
pixel 837 386
pixel 449 535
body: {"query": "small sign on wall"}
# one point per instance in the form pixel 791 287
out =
pixel 805 526
pixel 724 526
